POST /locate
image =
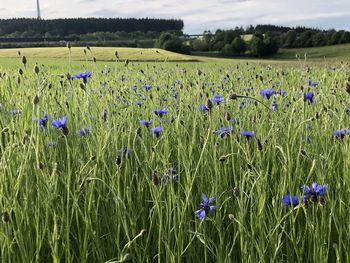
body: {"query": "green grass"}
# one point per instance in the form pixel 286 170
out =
pixel 109 196
pixel 335 52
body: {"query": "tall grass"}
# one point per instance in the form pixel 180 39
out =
pixel 82 199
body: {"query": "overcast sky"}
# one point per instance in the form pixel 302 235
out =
pixel 198 15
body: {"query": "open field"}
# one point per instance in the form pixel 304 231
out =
pixel 100 53
pixel 327 54
pixel 112 166
pixel 58 57
pixel 332 53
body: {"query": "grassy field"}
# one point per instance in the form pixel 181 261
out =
pixel 123 178
pixel 335 52
pixel 315 55
pixel 100 53
pixel 57 57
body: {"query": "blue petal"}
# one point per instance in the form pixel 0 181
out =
pixel 212 208
pixel 211 199
pixel 200 214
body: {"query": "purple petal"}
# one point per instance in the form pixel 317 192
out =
pixel 211 199
pixel 212 208
pixel 200 214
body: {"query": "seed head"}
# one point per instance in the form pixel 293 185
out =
pixel 259 145
pixel 233 96
pixel 347 87
pixel 209 104
pixel 35 100
pixel 36 69
pixel 227 116
pixel 24 61
pixel 222 158
pixel 155 179
pixel 6 217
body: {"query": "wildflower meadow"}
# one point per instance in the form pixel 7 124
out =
pixel 174 162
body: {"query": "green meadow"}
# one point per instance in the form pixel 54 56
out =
pixel 113 166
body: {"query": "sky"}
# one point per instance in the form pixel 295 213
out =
pixel 198 15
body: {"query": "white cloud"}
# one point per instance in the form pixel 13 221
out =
pixel 198 15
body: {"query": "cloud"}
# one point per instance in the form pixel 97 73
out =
pixel 198 15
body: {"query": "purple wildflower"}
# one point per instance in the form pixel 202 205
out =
pixel 146 123
pixel 268 93
pixel 160 112
pixel 60 123
pixel 248 134
pixel 205 207
pixel 218 99
pixel 157 131
pixel 224 131
pixel 85 131
pixel 290 200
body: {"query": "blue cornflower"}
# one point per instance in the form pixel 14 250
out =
pixel 203 107
pixel 309 96
pixel 290 200
pixel 205 207
pixel 146 123
pixel 339 134
pixel 83 75
pixel 347 110
pixel 224 131
pixel 268 93
pixel 274 105
pixel 85 131
pixel 313 83
pixel 282 92
pixel 248 134
pixel 43 122
pixel 157 130
pixel 60 123
pixel 160 112
pixel 139 103
pixel 147 87
pixel 218 99
pixel 314 192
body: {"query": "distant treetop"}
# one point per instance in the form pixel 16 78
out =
pixel 63 27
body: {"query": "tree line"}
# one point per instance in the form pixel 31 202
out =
pixel 265 40
pixel 80 26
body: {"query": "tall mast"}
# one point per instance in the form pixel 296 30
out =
pixel 38 9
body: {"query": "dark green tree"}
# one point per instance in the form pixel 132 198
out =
pixel 239 46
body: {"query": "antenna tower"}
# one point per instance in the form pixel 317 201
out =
pixel 38 9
